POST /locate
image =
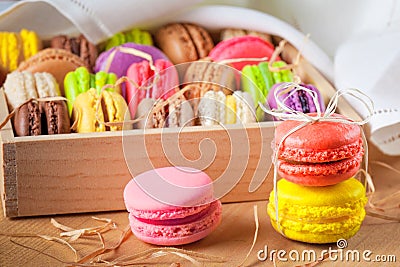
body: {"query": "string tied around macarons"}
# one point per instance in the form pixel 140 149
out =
pixel 285 112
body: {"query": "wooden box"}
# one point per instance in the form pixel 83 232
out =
pixel 74 173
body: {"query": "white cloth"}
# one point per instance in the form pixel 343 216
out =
pixel 371 62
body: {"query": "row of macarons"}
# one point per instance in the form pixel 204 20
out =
pixel 142 64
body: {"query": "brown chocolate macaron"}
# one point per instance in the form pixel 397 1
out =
pixel 177 113
pixel 184 42
pixel 58 62
pixel 39 118
pixel 79 46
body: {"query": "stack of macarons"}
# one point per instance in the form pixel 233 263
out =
pixel 319 200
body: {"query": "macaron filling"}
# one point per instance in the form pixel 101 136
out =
pixel 52 126
pixel 34 119
pixel 179 220
pixel 178 228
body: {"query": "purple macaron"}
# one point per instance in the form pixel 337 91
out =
pixel 299 100
pixel 122 60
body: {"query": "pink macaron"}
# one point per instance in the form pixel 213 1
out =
pixel 172 206
pixel 247 46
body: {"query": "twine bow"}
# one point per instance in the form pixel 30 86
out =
pixel 285 112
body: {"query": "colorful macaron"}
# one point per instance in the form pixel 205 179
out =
pixel 22 86
pixel 40 118
pixel 216 108
pixel 58 62
pixel 170 113
pixel 318 214
pixel 242 47
pixel 79 46
pixel 17 47
pixel 134 35
pixel 209 75
pixel 92 110
pixel 145 81
pixel 320 153
pixel 184 42
pixel 81 80
pixel 118 59
pixel 172 206
pixel 302 98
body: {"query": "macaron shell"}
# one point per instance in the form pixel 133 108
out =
pixel 184 42
pixel 254 84
pixel 56 117
pixel 211 108
pixel 335 134
pixel 121 61
pixel 175 41
pixel 178 234
pixel 167 82
pixel 168 188
pixel 242 47
pixel 201 39
pixel 244 107
pixel 138 74
pixel 208 75
pixel 180 114
pixel 230 110
pixel 31 43
pixel 58 62
pixel 144 111
pixel 46 85
pixel 319 174
pixel 321 237
pixel 293 100
pixel 116 109
pixel 27 120
pixel 88 52
pixel 319 214
pixel 84 113
pixel 19 87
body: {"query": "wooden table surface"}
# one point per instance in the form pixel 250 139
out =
pixel 230 242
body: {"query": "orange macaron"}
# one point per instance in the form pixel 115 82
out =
pixel 320 153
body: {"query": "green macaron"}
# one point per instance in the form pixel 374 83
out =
pixel 81 80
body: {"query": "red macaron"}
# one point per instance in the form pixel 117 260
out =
pixel 319 154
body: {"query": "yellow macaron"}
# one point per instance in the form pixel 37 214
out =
pixel 112 108
pixel 17 47
pixel 318 214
